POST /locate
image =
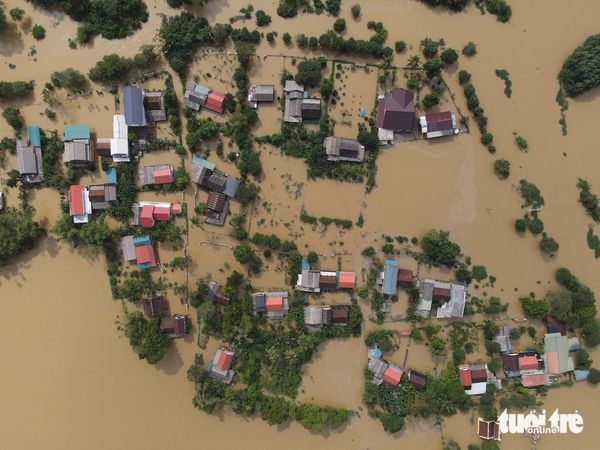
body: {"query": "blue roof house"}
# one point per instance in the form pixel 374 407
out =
pixel 110 176
pixel 74 132
pixel 390 277
pixel 34 136
pixel 135 114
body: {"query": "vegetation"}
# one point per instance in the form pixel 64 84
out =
pixel 400 46
pixel 449 56
pixel 430 100
pixel 581 70
pixel 69 79
pixel 310 72
pixel 15 89
pixel 339 25
pixel 521 142
pixel 438 249
pixel 38 32
pixel 355 11
pixel 262 18
pixel 115 69
pixel 145 336
pixel 588 199
pixel 18 232
pixel 502 168
pixel 470 49
pixel 548 245
pixel 534 309
pixel 477 110
pixel 16 14
pixel 530 194
pixel 500 9
pixel 593 242
pixel 126 192
pixel 13 117
pixel 505 76
pixel 454 5
pixel 594 376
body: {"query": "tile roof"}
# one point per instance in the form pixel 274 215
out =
pixel 76 200
pixel 528 363
pixel 390 277
pixel 396 111
pixel 274 304
pixel 392 376
pixel 347 280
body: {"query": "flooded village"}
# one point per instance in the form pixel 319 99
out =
pixel 273 268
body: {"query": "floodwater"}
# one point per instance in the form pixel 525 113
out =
pixel 72 382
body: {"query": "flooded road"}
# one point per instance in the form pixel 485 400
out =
pixel 70 381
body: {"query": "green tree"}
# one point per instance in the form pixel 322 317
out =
pixel 310 72
pixel 548 245
pixel 110 69
pixel 430 100
pixel 594 376
pixel 438 249
pixel 16 14
pixel 18 232
pixel 13 117
pixel 583 359
pixel 470 49
pixel 145 337
pixel 326 88
pixel 534 309
pixel 429 47
pixel 262 18
pixel 69 79
pixel 521 225
pixel 15 89
pixel 449 56
pixel 38 32
pixel 502 168
pixel 400 46
pixel 339 25
pixel 355 11
pixel 287 38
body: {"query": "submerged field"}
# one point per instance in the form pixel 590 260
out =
pixel 71 382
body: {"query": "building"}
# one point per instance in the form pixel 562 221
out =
pixel 155 306
pixel 260 93
pixel 317 315
pixel 392 375
pixel 503 339
pixel 144 252
pixel 154 106
pixel 309 280
pixel 527 364
pixel 556 354
pixel 215 101
pixel 119 143
pixel 382 370
pixel 175 326
pixel 156 175
pixel 555 326
pixel 195 95
pixel 347 150
pixel 220 369
pixel 294 94
pixel 488 430
pixel 581 375
pixel 29 162
pixel 146 214
pixel 389 277
pixel 273 305
pixel 328 281
pixel 205 175
pixel 103 147
pixel 452 297
pixel 417 379
pixel 510 364
pixel 405 278
pixel 215 294
pixel 80 207
pixel 79 149
pixel 215 209
pixel 474 378
pixel 533 380
pixel 311 109
pixel 346 280
pixel 435 125
pixel 133 99
pixel 396 113
pixel 340 314
pixel 102 196
pixel 127 248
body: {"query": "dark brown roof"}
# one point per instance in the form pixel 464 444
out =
pixel 328 281
pixel 152 103
pixel 156 306
pixel 488 430
pixel 439 121
pixel 478 375
pixel 340 313
pixel 417 379
pixel 556 326
pixel 441 293
pixel 216 201
pixel 510 361
pixel 173 326
pixel 396 111
pixel 405 275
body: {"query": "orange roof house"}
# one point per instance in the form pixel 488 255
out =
pixel 144 254
pixel 162 213
pixel 147 216
pixel 528 363
pixel 392 376
pixel 215 102
pixel 163 176
pixel 274 304
pixel 225 361
pixel 76 200
pixel 533 380
pixel 465 376
pixel 347 280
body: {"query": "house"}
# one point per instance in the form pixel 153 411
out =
pixel 260 93
pixel 79 149
pixel 328 280
pixel 382 370
pixel 133 99
pixel 309 280
pixel 175 326
pixel 103 147
pixel 34 135
pixel 294 94
pixel 453 295
pixel 127 248
pixel 556 354
pixel 396 113
pixel 215 294
pixel 155 306
pixel 205 175
pixel 574 344
pixel 377 367
pixel 533 380
pixel 393 374
pixel 339 149
pixel 144 252
pixel 110 176
pixel 316 316
pixel 527 364
pixel 405 278
pixel 503 339
pixel 340 314
pixel 80 207
pixel 29 162
pixel 435 125
pixel 154 106
pixel 119 143
pixel 273 305
pixel 147 216
pixel 488 430
pixel 510 364
pixel 474 378
pixel 156 175
pixel 346 280
pixel 389 277
pixel 151 212
pixel 555 326
pixel 417 379
pixel 215 209
pixel 220 369
pixel 195 95
pixel 581 375
pixel 311 109
pixel 215 101
pixel 102 196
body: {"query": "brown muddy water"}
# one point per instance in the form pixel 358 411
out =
pixel 70 381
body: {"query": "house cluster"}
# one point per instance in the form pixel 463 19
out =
pixel 173 326
pixel 272 305
pixel 221 187
pixel 146 214
pixel 298 106
pixel 197 97
pixel 475 378
pixel 386 372
pixel 449 299
pixel 85 200
pixel 138 250
pixel 397 113
pixel 316 316
pixel 29 156
pixel 536 370
pixel 317 280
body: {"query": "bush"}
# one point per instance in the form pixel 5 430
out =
pixel 69 79
pixel 487 138
pixel 470 49
pixel 12 115
pixel 565 278
pixel 594 376
pixel 287 8
pixel 548 245
pixel 431 100
pixel 521 225
pixel 500 9
pixel 355 10
pixel 262 18
pixel 429 47
pixel 16 14
pixel 521 143
pixel 15 89
pixel 479 273
pixel 339 25
pixel 464 77
pixel 38 32
pixel 400 46
pixel 333 6
pixel 534 309
pixel 287 38
pixel 433 67
pixel 502 168
pixel 449 56
pixel 18 232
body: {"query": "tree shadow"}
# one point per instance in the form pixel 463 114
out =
pixel 172 361
pixel 12 41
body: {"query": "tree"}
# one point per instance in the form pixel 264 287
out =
pixel 534 309
pixel 438 249
pixel 69 79
pixel 464 77
pixel 500 9
pixel 16 14
pixel 145 337
pixel 565 278
pixel 333 6
pixel 355 11
pixel 326 88
pixel 594 376
pixel 591 332
pixel 392 423
pixel 18 232
pixel 487 138
pixel 38 32
pixel 312 258
pixel 470 49
pixel 243 253
pixel 548 245
pixel 429 48
pixel 400 46
pixel 502 169
pixel 310 72
pixel 13 117
pixel 287 8
pixel 449 56
pixel 561 303
pixel 287 38
pixel 110 69
pixel 339 25
pixel 116 19
pixel 262 18
pixel 433 67
pixel 521 225
pixel 583 359
pixel 430 100
pixel 15 89
pixel 96 234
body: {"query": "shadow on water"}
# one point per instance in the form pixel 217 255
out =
pixel 12 41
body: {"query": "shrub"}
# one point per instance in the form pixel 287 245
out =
pixel 400 46
pixel 12 115
pixel 548 244
pixel 262 18
pixel 521 142
pixel 70 79
pixel 333 6
pixel 355 10
pixel 38 32
pixel 431 100
pixel 487 138
pixel 500 9
pixel 15 89
pixel 594 376
pixel 287 38
pixel 470 49
pixel 502 168
pixel 534 309
pixel 438 249
pixel 429 47
pixel 565 278
pixel 521 225
pixel 479 273
pixel 339 25
pixel 449 56
pixel 464 77
pixel 16 14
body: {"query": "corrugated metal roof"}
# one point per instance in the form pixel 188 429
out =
pixel 133 98
pixel 390 277
pixel 73 132
pixel 110 176
pixel 34 135
pixel 201 162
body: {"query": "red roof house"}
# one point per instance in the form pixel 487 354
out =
pixel 225 361
pixel 465 376
pixel 162 213
pixel 528 363
pixel 176 208
pixel 144 254
pixel 533 380
pixel 147 216
pixel 274 304
pixel 392 376
pixel 215 102
pixel 347 280
pixel 76 200
pixel 163 176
